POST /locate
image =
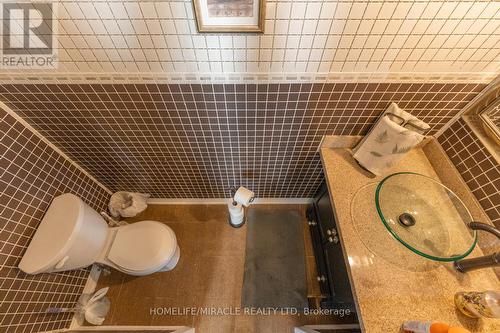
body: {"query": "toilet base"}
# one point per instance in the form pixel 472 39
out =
pixel 173 262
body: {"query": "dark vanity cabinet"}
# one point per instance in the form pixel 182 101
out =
pixel 330 262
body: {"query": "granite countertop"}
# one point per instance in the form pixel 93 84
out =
pixel 390 283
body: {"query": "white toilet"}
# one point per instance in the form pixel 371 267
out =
pixel 72 235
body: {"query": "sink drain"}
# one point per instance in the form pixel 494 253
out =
pixel 407 220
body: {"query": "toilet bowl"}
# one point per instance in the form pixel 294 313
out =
pixel 72 235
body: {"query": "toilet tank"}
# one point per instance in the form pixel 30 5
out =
pixel 70 236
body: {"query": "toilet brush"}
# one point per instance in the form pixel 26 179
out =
pixel 92 308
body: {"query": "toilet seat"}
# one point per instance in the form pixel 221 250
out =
pixel 142 247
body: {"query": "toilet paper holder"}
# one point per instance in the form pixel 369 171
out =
pixel 237 205
pixel 233 190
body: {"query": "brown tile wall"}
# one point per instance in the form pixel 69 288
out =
pixel 31 174
pixel 194 141
pixel 477 166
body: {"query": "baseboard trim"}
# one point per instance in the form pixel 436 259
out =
pixel 330 327
pixel 122 329
pixel 223 201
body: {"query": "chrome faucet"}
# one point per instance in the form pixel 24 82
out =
pixel 491 260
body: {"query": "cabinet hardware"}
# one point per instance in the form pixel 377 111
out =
pixel 331 232
pixel 333 239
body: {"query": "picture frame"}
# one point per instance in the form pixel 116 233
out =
pixel 230 15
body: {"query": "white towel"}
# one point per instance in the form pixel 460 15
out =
pixel 396 133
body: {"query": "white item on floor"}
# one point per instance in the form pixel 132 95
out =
pixel 72 235
pixel 91 307
pixel 94 308
pixel 127 204
pixel 396 133
pixel 236 213
pixel 244 196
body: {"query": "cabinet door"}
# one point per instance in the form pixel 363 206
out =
pixel 319 255
pixel 337 273
pixel 325 214
pixel 340 288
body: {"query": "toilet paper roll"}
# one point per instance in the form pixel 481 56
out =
pixel 236 213
pixel 244 196
pixel 233 208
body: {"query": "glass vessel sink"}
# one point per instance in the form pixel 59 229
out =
pixel 425 216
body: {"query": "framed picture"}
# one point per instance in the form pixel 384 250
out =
pixel 230 15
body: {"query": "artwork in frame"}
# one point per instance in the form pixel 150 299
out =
pixel 230 15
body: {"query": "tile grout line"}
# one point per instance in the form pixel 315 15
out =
pixel 494 84
pixel 51 145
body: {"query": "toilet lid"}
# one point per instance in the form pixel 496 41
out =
pixel 143 246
